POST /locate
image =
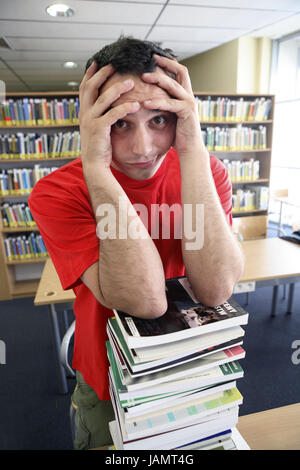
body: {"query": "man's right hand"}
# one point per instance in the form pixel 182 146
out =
pixel 96 115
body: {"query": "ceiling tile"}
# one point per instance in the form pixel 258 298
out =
pixel 87 11
pixel 163 33
pixel 287 5
pixel 212 17
pixel 279 29
pixel 32 29
pixel 41 44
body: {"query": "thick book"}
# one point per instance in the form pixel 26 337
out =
pixel 175 400
pixel 184 318
pixel 208 378
pixel 146 358
pixel 121 353
pixel 185 413
pixel 175 438
pixel 199 365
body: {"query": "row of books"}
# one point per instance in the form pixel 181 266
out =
pixel 25 247
pixel 253 198
pixel 235 138
pixel 233 110
pixel 173 379
pixel 42 111
pixel 16 215
pixel 39 111
pixel 20 181
pixel 33 145
pixel 242 170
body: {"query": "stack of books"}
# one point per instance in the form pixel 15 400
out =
pixel 173 379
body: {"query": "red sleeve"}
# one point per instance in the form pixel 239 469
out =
pixel 68 227
pixel 223 185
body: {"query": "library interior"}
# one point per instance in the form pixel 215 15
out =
pixel 224 371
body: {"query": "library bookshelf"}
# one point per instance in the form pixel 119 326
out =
pixel 10 288
pixel 261 154
pixel 12 285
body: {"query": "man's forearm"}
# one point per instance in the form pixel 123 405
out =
pixel 131 273
pixel 215 267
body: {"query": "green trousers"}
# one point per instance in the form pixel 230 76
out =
pixel 91 418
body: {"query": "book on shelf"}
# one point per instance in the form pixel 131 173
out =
pixel 39 111
pixel 186 390
pixel 248 199
pixel 247 170
pixel 184 318
pixel 37 146
pixel 16 215
pixel 25 247
pixel 239 138
pixel 20 181
pixel 233 110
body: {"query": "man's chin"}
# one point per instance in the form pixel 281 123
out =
pixel 138 173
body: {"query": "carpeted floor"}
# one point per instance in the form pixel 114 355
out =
pixel 35 416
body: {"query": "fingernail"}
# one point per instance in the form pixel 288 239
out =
pixel 147 102
pixel 128 82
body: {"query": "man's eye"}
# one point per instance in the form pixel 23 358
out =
pixel 159 120
pixel 120 124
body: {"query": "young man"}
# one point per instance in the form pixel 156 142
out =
pixel 142 149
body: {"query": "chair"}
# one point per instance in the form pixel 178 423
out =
pixel 64 359
pixel 278 196
pixel 249 228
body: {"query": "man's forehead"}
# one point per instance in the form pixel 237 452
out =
pixel 141 90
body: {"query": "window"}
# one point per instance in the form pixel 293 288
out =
pixel 285 85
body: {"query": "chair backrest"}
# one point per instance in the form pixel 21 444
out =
pixel 279 193
pixel 252 227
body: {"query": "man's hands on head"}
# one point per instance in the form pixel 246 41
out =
pixel 181 101
pixel 96 115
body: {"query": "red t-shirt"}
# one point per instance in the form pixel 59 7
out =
pixel 61 207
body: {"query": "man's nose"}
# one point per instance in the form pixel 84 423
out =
pixel 142 142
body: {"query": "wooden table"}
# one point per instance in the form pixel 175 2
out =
pixel 276 429
pixel 269 261
pixel 51 293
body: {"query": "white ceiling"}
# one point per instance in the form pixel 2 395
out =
pixel 40 44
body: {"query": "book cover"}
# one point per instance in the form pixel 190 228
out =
pixel 184 318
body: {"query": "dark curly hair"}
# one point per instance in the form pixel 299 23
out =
pixel 130 55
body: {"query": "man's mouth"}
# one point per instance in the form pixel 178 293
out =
pixel 144 164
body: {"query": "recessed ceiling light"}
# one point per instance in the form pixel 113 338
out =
pixel 73 83
pixel 70 65
pixel 59 9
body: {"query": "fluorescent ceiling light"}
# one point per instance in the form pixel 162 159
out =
pixel 70 65
pixel 59 9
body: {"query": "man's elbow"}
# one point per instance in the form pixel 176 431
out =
pixel 144 307
pixel 216 294
pixel 150 309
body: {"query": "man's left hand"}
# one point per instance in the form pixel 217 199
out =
pixel 181 101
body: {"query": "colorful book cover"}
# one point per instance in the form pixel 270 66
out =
pixel 185 317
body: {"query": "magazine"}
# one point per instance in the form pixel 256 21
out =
pixel 184 318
